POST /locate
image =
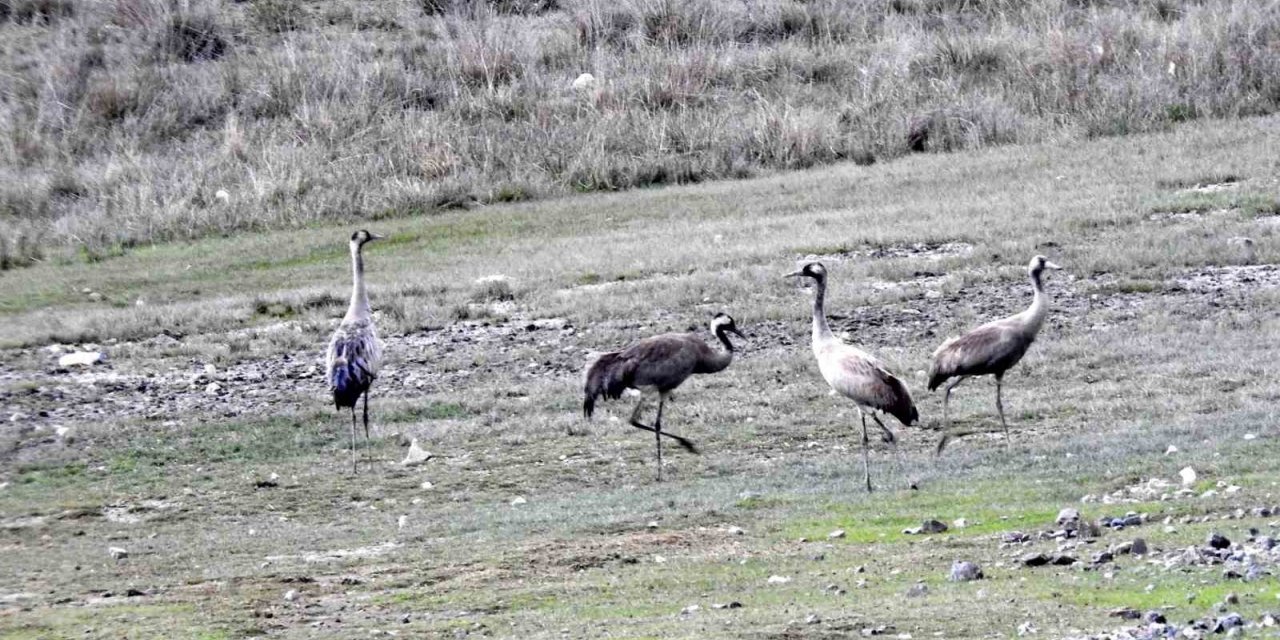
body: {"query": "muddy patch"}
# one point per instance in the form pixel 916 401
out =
pixel 143 511
pixel 1233 278
pixel 917 250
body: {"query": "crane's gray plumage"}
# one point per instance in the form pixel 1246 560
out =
pixel 355 353
pixel 991 349
pixel 660 363
pixel 854 373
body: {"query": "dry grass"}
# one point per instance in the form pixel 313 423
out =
pixel 123 121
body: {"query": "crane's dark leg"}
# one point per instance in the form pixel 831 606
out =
pixel 946 400
pixel 887 436
pixel 635 422
pixel 866 447
pixel 354 469
pixel 657 431
pixel 366 414
pixel 1000 408
pixel 946 416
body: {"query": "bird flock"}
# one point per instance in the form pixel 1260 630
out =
pixel 660 364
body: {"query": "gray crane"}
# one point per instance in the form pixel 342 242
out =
pixel 856 374
pixel 355 353
pixel 991 349
pixel 660 363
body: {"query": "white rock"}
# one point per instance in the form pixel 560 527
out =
pixel 584 81
pixel 81 359
pixel 736 531
pixel 416 454
pixel 426 484
pixel 1171 450
pixel 652 524
pixel 222 196
pixel 117 553
pixel 291 595
pixel 517 501
pixel 404 520
pixel 838 533
pixel 689 609
pixel 779 579
pixel 1233 489
pixel 960 523
pixel 66 434
pixel 1250 436
pixel 213 389
pixel 1188 476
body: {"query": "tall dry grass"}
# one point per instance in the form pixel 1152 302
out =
pixel 134 121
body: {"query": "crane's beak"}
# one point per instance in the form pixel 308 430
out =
pixel 792 275
pixel 375 236
pixel 734 331
pixel 1050 265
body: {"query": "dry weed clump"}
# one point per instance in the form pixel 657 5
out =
pixel 351 110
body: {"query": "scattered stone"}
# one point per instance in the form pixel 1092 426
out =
pixel 1062 560
pixel 1014 537
pixel 1068 518
pixel 652 524
pixel 960 523
pixel 1034 559
pixel 117 553
pixel 416 455
pixel 689 609
pixel 1138 547
pixel 291 595
pixel 402 521
pixel 927 527
pixel 1153 617
pixel 876 631
pixel 1027 629
pixel 917 590
pixel 66 434
pixel 727 605
pixel 835 535
pixel 1229 621
pixel 584 81
pixel 1125 613
pixel 736 531
pixel 1171 450
pixel 213 389
pixel 1103 557
pixel 779 579
pixel 1217 541
pixel 82 359
pixel 518 500
pixel 1232 598
pixel 964 571
pixel 1268 620
pixel 812 619
pixel 1188 476
pixel 134 593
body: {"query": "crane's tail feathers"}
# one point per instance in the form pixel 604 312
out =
pixel 607 376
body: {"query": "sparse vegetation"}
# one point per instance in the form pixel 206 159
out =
pixel 1161 334
pixel 303 113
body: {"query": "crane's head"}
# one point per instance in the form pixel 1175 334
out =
pixel 1038 264
pixel 724 322
pixel 360 237
pixel 813 270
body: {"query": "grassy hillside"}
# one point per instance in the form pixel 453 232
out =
pixel 135 121
pixel 1162 333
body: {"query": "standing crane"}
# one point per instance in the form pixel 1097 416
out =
pixel 991 349
pixel 856 374
pixel 355 353
pixel 660 363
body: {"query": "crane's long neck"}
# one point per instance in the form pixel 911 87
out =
pixel 720 359
pixel 359 306
pixel 1039 308
pixel 821 331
